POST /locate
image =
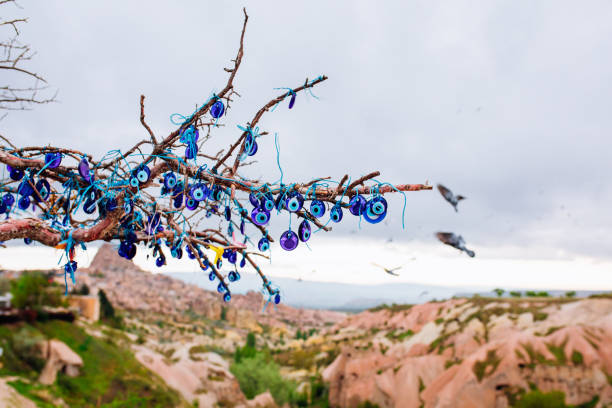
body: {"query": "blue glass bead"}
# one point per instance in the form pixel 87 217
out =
pixel 336 213
pixel 254 200
pixel 3 207
pixel 27 241
pixel 294 201
pixel 89 207
pixel 292 100
pixel 8 199
pixel 289 240
pixel 191 151
pixel 357 205
pixel 243 262
pixel 84 170
pixel 44 190
pixel 221 287
pixel 253 149
pixel 211 276
pixel 219 263
pixel 375 210
pixel 23 203
pixel 231 276
pixel 227 297
pixel 279 202
pixel 197 192
pixel 179 253
pixel 160 261
pixel 226 253
pixel 169 180
pixel 317 208
pixel 217 193
pixel 228 213
pixel 53 160
pixel 277 299
pixel 111 204
pixel 70 267
pixel 263 245
pixel 131 253
pixel 16 174
pixel 304 231
pixel 128 207
pixel 217 109
pixel 130 236
pixel 142 174
pixel 25 189
pixel 134 182
pixel 191 204
pixel 178 200
pixel 190 254
pixel 233 257
pixel 267 202
pixel 242 226
pixel 259 216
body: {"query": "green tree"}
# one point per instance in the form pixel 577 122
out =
pixel 106 307
pixel 33 291
pixel 570 294
pixel 515 294
pixel 499 292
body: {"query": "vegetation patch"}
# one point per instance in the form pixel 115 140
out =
pixel 487 367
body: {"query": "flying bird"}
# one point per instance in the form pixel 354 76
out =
pixel 454 240
pixel 390 271
pixel 449 196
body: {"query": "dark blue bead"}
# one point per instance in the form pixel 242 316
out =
pixel 3 207
pixel 289 240
pixel 254 200
pixel 277 298
pixel 191 204
pixel 253 149
pixel 84 170
pixel 336 213
pixel 375 210
pixel 221 287
pixel 228 213
pixel 89 207
pixel 25 189
pixel 8 199
pixel 304 231
pixel 169 180
pixel 23 203
pixel 292 100
pixel 44 190
pixel 160 262
pixel 227 297
pixel 211 276
pixel 233 257
pixel 259 216
pixel 317 208
pixel 242 262
pixel 111 204
pixel 27 241
pixel 357 205
pixel 16 174
pixel 53 160
pixel 263 245
pixel 294 201
pixel 217 109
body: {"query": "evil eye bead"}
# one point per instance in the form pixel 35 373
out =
pixel 191 204
pixel 221 287
pixel 317 208
pixel 292 100
pixel 178 253
pixel 217 109
pixel 233 257
pixel 169 180
pixel 43 188
pixel 218 194
pixel 263 245
pixel 16 174
pixel 304 231
pixel 267 202
pixel 190 254
pixel 242 226
pixel 191 151
pixel 277 299
pixel 84 170
pixel 27 241
pixel 178 200
pixel 23 203
pixel 211 276
pixel 89 207
pixel 131 252
pixel 152 223
pixel 219 263
pixel 3 207
pixel 336 213
pixel 143 173
pixel 70 267
pixel 134 182
pixel 234 276
pixel 128 207
pixel 198 192
pixel 242 263
pixel 227 297
pixel 259 216
pixel 53 160
pixel 289 240
pixel 375 210
pixel 294 202
pixel 254 200
pixel 228 213
pixel 357 205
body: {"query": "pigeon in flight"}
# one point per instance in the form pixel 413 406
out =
pixel 454 240
pixel 390 271
pixel 449 196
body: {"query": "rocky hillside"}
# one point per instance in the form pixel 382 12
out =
pixel 474 353
pixel 131 288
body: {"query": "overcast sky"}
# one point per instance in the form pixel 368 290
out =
pixel 505 102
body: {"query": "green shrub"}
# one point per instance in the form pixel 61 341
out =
pixel 33 291
pixel 538 399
